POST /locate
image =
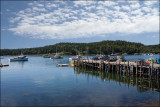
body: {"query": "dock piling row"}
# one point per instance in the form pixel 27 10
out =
pixel 125 68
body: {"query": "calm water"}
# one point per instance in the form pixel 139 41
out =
pixel 38 82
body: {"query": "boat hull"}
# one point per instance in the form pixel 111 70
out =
pixel 12 60
pixel 62 65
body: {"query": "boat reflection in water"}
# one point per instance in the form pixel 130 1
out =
pixel 142 84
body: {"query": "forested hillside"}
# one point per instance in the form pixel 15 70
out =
pixel 106 47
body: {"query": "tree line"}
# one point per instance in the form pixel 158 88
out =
pixel 105 47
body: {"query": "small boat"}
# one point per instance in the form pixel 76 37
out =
pixel 46 56
pixel 62 65
pixel 57 57
pixel 19 58
pixel 77 57
pixel 72 64
pixel 135 53
pixel 151 54
pixel 100 57
pixel 124 54
pixel 113 54
pixel 144 54
pixel 3 65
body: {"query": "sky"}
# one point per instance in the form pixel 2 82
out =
pixel 27 24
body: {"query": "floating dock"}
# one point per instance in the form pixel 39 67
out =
pixel 62 65
pixel 3 65
pixel 127 68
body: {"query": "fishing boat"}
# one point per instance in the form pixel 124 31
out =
pixel 19 58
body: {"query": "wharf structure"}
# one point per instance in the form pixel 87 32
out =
pixel 151 71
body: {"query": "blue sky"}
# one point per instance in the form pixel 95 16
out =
pixel 26 24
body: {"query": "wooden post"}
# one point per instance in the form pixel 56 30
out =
pixel 121 68
pixel 128 68
pixel 92 64
pixel 141 71
pixel 88 64
pixel 151 71
pixel 116 68
pixel 74 63
pixel 112 67
pixel 124 68
pixel 158 73
pixel 109 66
pixel 136 70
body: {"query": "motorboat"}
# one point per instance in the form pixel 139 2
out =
pixel 77 57
pixel 151 54
pixel 100 57
pixel 57 57
pixel 46 56
pixel 19 58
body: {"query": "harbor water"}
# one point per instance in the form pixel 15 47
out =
pixel 39 82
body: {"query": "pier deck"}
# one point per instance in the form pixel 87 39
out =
pixel 127 68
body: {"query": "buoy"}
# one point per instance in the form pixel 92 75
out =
pixel 148 62
pixel 72 64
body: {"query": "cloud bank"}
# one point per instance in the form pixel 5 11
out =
pixel 77 19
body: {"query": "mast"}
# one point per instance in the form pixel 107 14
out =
pixel 100 52
pixel 56 50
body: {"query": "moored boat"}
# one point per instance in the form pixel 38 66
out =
pixel 77 57
pixel 62 65
pixel 46 56
pixel 57 57
pixel 19 58
pixel 3 65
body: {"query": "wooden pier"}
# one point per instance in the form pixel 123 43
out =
pixel 151 71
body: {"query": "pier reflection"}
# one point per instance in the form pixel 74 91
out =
pixel 142 84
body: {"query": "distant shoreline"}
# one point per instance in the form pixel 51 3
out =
pixel 73 55
pixel 104 47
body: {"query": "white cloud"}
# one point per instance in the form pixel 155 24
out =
pixel 149 3
pixel 126 8
pixel 56 20
pixel 135 6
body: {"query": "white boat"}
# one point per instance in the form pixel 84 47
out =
pixel 57 57
pixel 46 56
pixel 151 54
pixel 19 58
pixel 3 65
pixel 62 65
pixel 77 57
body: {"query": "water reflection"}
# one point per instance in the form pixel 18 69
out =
pixel 142 84
pixel 19 64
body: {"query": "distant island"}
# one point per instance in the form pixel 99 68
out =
pixel 103 47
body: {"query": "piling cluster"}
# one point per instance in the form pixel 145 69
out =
pixel 126 67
